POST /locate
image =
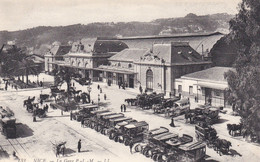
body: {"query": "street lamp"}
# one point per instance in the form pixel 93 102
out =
pixel 89 90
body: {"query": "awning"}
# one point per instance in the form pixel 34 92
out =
pixel 115 71
pixel 213 85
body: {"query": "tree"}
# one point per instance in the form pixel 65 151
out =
pixel 244 81
pixel 15 62
pixel 9 60
pixel 65 74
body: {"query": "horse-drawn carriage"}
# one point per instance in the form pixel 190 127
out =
pixel 207 114
pixel 146 101
pixel 166 103
pixel 59 148
pixel 206 133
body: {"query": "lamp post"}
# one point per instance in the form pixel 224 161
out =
pixel 89 90
pixel 98 99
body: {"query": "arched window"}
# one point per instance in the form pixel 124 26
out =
pixel 149 80
pixel 129 65
pixel 119 64
pixel 86 64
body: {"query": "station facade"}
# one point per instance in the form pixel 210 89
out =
pixel 154 63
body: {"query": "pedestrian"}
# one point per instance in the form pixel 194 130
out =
pixel 233 106
pixel 15 156
pixel 82 122
pixel 47 107
pixel 121 108
pixel 73 84
pixel 124 107
pixel 70 115
pixel 195 98
pixel 100 90
pixel 41 102
pixel 79 145
pixel 16 87
pixel 141 89
pixel 131 145
pixel 105 97
pixel 98 86
pixel 61 112
pixel 119 85
pixel 34 118
pixel 172 122
pixel 41 83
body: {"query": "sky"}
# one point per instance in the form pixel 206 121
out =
pixel 23 14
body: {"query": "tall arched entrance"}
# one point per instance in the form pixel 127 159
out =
pixel 149 80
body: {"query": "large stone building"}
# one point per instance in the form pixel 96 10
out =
pixel 85 56
pixel 154 69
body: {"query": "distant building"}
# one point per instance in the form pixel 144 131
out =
pixel 54 55
pixel 88 55
pixel 39 60
pixel 154 69
pixel 206 86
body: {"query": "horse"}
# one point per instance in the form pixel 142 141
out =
pixel 232 128
pixel 222 145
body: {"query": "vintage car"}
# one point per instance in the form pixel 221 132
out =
pixel 83 111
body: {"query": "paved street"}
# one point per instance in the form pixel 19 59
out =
pixel 35 139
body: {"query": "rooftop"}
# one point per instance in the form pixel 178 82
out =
pixel 129 54
pixel 214 74
pixel 195 40
pixel 59 50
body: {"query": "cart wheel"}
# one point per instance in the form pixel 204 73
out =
pixel 197 137
pixel 126 142
pixel 138 148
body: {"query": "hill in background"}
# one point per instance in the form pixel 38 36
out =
pixel 39 39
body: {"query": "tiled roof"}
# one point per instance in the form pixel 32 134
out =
pixel 92 45
pixel 214 74
pixel 59 50
pixel 129 54
pixel 195 40
pixel 105 46
pixel 177 53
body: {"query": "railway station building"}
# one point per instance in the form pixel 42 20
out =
pixel 153 69
pixel 152 62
